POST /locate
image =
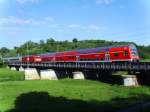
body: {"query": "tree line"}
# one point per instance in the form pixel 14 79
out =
pixel 51 45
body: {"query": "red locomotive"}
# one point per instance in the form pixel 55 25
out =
pixel 101 54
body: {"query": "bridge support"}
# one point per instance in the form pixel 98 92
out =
pixel 13 68
pixel 48 75
pixel 7 67
pixel 130 80
pixel 21 69
pixel 78 75
pixel 31 74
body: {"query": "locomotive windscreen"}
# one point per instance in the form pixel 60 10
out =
pixel 133 50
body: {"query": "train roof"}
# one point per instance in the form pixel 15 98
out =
pixel 11 58
pixel 104 49
pixel 50 53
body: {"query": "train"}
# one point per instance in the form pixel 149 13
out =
pixel 116 53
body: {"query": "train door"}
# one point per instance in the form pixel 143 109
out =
pixel 107 57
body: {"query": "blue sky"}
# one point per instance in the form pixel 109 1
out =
pixel 118 20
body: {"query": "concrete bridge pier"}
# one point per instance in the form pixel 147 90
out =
pixel 7 67
pixel 13 68
pixel 48 75
pixel 78 75
pixel 21 69
pixel 31 74
pixel 130 80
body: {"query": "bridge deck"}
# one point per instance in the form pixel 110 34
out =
pixel 123 66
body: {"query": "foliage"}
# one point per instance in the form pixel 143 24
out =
pixel 75 40
pixel 144 52
pixel 51 45
pixel 4 51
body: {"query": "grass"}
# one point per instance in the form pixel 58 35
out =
pixel 66 95
pixel 145 60
pixel 7 75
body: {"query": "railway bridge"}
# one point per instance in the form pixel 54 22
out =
pixel 116 66
pixel 79 70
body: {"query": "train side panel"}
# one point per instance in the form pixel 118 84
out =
pixel 120 54
pixel 31 59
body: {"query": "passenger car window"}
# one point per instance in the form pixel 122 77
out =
pixel 126 53
pixel 116 54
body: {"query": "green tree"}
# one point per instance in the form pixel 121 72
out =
pixel 4 51
pixel 75 40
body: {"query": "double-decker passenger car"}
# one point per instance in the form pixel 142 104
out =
pixel 101 54
pixel 11 59
pixel 48 57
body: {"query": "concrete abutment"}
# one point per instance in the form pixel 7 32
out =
pixel 21 69
pixel 48 75
pixel 78 75
pixel 13 68
pixel 130 80
pixel 32 74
